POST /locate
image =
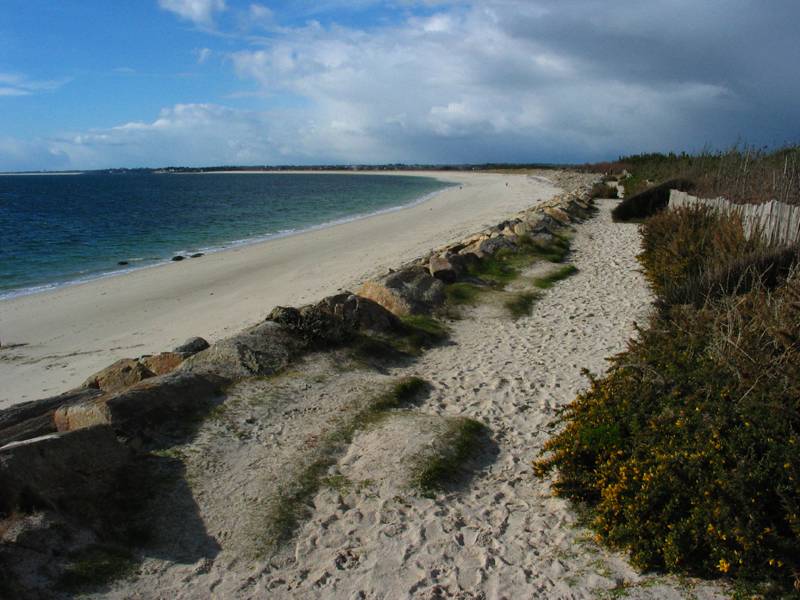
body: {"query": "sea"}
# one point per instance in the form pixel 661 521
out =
pixel 59 230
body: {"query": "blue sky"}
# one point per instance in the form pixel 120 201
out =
pixel 95 84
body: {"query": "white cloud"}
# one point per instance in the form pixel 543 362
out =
pixel 24 155
pixel 191 134
pixel 465 85
pixel 200 12
pixel 203 54
pixel 13 91
pixel 260 14
pixel 185 134
pixel 540 79
pixel 14 84
pixel 441 23
pixel 461 81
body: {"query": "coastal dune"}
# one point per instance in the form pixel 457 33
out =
pixel 53 341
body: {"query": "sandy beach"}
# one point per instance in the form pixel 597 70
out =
pixel 53 340
pixel 498 535
pixel 269 497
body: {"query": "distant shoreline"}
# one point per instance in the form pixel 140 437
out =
pixel 228 245
pixel 376 169
pixel 47 173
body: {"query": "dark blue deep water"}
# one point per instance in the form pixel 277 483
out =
pixel 66 228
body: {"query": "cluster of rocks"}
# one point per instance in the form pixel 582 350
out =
pixel 63 454
pixel 95 397
pixel 419 287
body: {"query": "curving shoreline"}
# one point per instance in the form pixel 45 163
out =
pixel 54 339
pixel 199 242
pixel 304 479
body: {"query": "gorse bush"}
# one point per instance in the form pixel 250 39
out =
pixel 681 244
pixel 687 453
pixel 689 450
pixel 768 267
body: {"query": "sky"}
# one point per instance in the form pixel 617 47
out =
pixel 88 84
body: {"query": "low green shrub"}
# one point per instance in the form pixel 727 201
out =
pixel 603 190
pixel 634 184
pixel 637 206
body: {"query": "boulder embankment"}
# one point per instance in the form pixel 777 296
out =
pixel 65 455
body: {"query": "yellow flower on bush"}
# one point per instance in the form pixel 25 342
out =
pixel 723 565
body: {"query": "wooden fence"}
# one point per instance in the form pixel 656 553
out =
pixel 777 222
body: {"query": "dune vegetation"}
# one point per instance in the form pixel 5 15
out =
pixel 741 174
pixel 687 452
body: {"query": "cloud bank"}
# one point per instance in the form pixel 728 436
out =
pixel 498 80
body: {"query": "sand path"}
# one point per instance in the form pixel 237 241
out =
pixel 504 535
pixel 499 534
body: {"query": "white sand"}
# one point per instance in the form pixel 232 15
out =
pixel 53 340
pixel 501 535
pixel 505 536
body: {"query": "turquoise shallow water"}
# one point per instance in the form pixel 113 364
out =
pixel 56 230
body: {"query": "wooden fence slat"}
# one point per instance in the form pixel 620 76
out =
pixel 779 223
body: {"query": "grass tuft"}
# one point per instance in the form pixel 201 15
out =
pixel 505 266
pixel 417 333
pixel 546 282
pixel 337 482
pixel 463 293
pixel 499 268
pixel 291 507
pixel 555 251
pixel 520 304
pixel 400 394
pixel 420 332
pixel 461 442
pixel 96 566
